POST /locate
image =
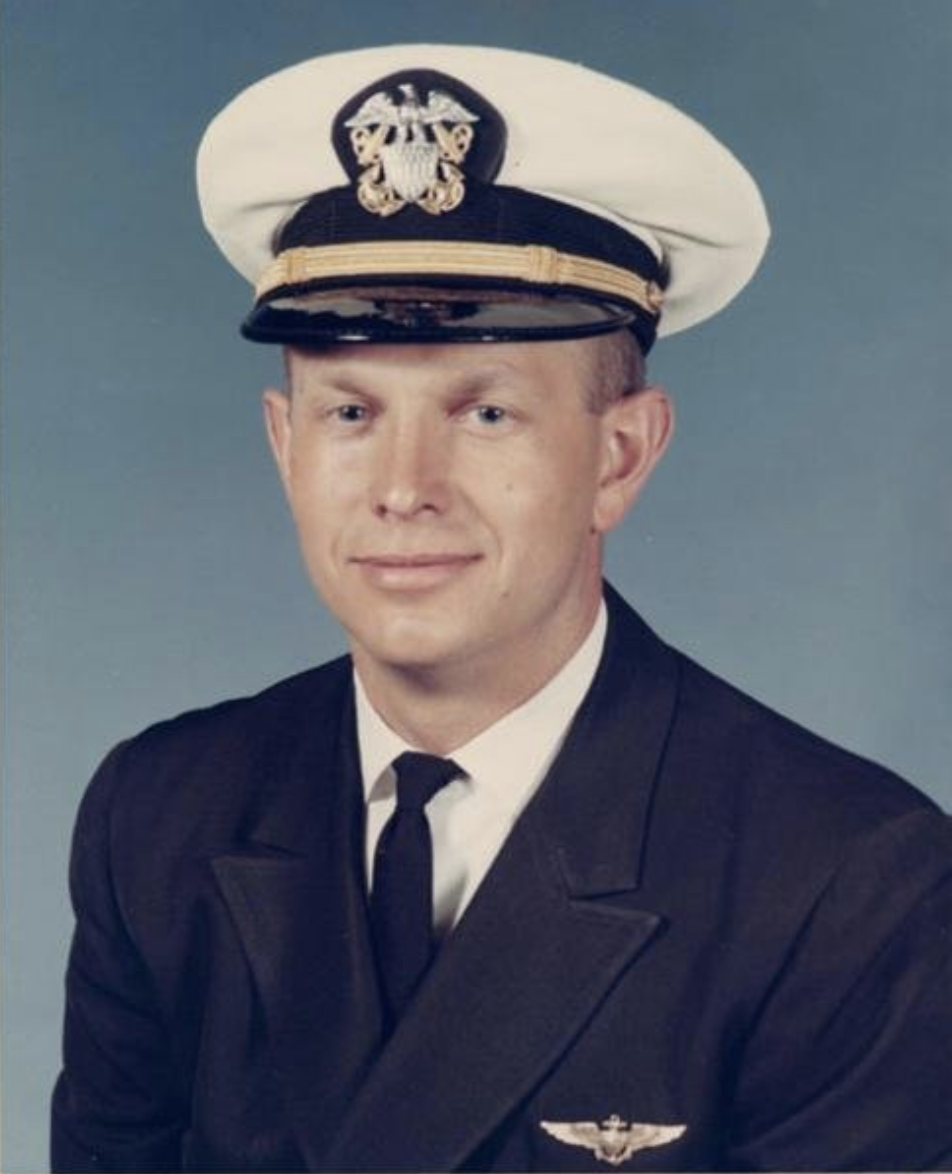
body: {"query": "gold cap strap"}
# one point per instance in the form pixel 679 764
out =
pixel 537 264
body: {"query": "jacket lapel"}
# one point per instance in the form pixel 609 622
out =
pixel 544 940
pixel 296 895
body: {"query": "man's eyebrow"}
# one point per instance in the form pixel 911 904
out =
pixel 463 385
pixel 337 381
pixel 333 379
pixel 485 379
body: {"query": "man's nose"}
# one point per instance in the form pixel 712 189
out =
pixel 410 470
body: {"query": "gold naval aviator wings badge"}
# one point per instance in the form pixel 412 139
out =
pixel 613 1140
pixel 404 163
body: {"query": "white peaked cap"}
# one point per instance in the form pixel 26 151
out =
pixel 588 141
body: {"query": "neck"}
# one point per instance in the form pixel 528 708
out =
pixel 439 708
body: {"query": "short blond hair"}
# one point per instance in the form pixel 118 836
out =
pixel 616 369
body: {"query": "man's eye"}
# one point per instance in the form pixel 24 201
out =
pixel 490 414
pixel 351 413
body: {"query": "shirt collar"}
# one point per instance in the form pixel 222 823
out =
pixel 514 752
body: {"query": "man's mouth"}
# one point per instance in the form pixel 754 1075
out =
pixel 435 558
pixel 411 572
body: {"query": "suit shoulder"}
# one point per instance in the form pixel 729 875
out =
pixel 244 718
pixel 204 756
pixel 779 822
pixel 787 768
pixel 726 751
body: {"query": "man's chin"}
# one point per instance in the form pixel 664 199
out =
pixel 417 648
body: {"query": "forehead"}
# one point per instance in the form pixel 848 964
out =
pixel 533 364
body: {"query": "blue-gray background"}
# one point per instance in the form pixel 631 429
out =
pixel 797 539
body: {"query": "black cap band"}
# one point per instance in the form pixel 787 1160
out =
pixel 500 240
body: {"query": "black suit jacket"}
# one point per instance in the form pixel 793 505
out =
pixel 706 917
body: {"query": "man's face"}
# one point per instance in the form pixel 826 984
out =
pixel 450 499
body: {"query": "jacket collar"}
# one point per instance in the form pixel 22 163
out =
pixel 294 887
pixel 553 904
pixel 604 779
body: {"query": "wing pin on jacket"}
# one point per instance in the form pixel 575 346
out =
pixel 613 1140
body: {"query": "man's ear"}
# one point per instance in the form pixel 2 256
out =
pixel 277 422
pixel 635 433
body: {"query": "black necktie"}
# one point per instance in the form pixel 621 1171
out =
pixel 401 904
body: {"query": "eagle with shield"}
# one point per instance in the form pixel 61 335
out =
pixel 411 151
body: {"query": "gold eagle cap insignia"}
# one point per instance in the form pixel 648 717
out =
pixel 613 1140
pixel 411 151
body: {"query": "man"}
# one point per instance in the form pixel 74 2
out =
pixel 515 885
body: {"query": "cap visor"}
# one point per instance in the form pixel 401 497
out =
pixel 430 316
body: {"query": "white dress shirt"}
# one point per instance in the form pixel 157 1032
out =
pixel 471 816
